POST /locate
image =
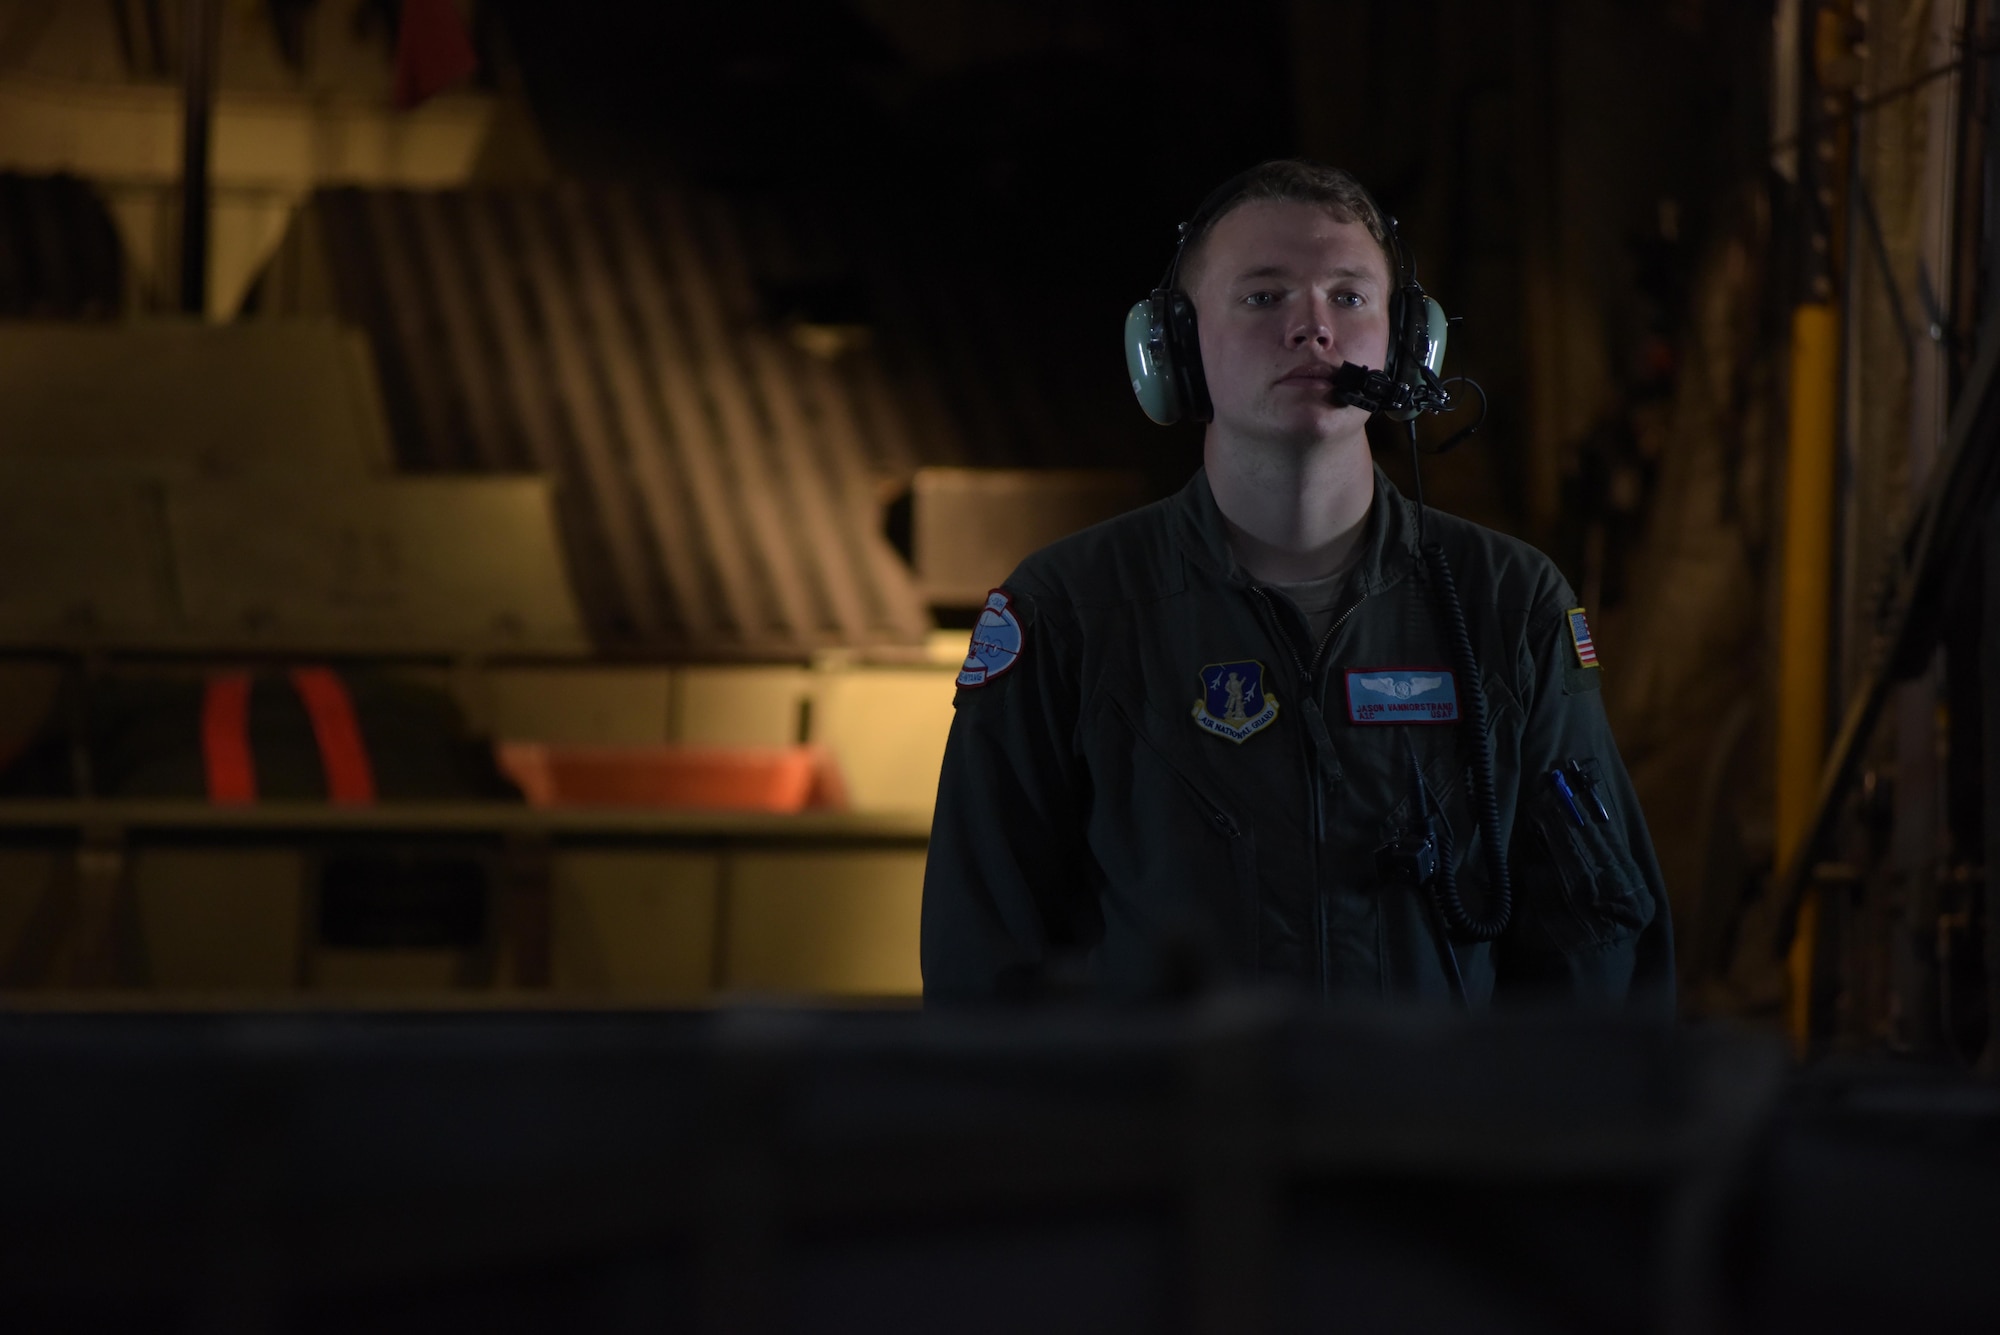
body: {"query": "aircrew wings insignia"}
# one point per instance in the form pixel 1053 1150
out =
pixel 1400 690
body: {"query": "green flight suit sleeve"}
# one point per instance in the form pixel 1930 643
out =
pixel 1591 921
pixel 1007 908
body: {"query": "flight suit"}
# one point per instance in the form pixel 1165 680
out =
pixel 1115 811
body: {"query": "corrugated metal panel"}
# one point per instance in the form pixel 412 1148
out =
pixel 719 487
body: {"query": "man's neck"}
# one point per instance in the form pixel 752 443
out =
pixel 1295 512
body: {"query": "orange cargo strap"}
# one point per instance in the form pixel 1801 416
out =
pixel 225 739
pixel 350 780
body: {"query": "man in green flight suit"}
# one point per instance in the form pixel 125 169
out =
pixel 1234 731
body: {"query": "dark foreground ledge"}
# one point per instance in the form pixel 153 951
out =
pixel 1235 1166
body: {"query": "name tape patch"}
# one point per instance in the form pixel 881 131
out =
pixel 996 642
pixel 1402 695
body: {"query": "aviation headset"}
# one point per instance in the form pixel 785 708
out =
pixel 1163 351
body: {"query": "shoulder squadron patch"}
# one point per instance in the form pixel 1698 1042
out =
pixel 1579 635
pixel 997 639
pixel 1402 695
pixel 1233 701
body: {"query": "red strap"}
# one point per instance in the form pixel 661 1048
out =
pixel 433 51
pixel 225 739
pixel 350 780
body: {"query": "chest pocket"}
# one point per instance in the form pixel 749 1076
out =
pixel 1580 887
pixel 1186 824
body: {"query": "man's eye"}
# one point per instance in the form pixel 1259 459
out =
pixel 1347 299
pixel 1261 299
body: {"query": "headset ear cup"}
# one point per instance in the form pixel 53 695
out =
pixel 1437 328
pixel 1184 341
pixel 1416 342
pixel 1149 359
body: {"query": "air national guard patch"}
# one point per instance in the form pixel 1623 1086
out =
pixel 1402 695
pixel 996 642
pixel 1233 702
pixel 1579 634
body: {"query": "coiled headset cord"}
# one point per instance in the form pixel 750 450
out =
pixel 1485 797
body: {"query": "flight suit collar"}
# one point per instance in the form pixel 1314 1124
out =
pixel 1389 550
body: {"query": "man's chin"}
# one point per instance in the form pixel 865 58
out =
pixel 1301 426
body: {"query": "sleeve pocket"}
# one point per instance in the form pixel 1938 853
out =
pixel 1579 887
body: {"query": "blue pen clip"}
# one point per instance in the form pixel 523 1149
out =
pixel 1567 794
pixel 1584 772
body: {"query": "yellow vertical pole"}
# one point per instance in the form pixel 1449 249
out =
pixel 1804 616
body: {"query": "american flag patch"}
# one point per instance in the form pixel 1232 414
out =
pixel 1579 634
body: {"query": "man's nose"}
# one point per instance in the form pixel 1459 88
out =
pixel 1315 328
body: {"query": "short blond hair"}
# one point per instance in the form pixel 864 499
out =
pixel 1289 181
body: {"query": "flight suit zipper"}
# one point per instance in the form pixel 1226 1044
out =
pixel 1224 823
pixel 1323 761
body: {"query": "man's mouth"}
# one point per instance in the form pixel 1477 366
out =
pixel 1316 374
